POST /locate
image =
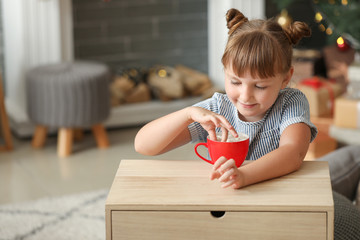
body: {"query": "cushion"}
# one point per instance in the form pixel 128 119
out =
pixel 346 218
pixel 344 165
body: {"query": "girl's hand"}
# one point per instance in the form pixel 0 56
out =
pixel 210 121
pixel 226 171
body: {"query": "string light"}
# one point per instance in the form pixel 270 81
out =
pixel 329 31
pixel 342 44
pixel 340 41
pixel 325 14
pixel 318 17
pixel 284 19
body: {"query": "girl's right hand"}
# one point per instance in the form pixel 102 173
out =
pixel 210 121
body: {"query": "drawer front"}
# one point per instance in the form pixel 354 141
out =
pixel 231 225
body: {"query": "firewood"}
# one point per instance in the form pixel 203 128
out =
pixel 123 83
pixel 141 93
pixel 120 88
pixel 166 83
pixel 194 81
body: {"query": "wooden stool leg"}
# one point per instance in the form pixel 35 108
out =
pixel 78 134
pixel 100 136
pixel 39 137
pixel 65 139
pixel 4 121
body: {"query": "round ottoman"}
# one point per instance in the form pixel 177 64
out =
pixel 68 96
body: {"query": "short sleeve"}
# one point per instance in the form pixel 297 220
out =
pixel 296 110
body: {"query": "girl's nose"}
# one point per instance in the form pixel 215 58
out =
pixel 246 94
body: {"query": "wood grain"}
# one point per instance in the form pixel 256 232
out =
pixel 174 196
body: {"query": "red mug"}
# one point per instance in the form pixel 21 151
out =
pixel 237 149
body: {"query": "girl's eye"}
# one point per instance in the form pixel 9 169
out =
pixel 235 83
pixel 261 88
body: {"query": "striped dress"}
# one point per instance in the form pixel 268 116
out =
pixel 290 107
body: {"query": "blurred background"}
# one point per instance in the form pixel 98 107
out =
pixel 164 55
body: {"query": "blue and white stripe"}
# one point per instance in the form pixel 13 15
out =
pixel 290 107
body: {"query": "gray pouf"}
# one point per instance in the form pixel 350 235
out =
pixel 68 96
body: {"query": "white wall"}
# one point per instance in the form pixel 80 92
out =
pixel 218 31
pixel 14 53
pixel 32 37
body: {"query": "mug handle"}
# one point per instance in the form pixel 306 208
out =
pixel 197 153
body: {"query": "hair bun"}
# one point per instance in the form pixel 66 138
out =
pixel 234 19
pixel 296 31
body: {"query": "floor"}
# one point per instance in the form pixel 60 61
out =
pixel 28 174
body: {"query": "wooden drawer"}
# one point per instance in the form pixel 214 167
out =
pixel 164 199
pixel 232 225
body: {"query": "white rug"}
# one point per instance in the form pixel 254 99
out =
pixel 78 216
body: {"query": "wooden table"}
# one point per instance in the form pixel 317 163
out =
pixel 163 199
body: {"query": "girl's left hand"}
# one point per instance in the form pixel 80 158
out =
pixel 226 171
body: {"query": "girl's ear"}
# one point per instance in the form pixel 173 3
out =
pixel 287 77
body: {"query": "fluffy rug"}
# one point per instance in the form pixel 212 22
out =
pixel 78 216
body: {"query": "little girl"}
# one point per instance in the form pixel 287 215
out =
pixel 257 65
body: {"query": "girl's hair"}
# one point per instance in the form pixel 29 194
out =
pixel 261 47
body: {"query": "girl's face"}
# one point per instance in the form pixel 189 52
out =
pixel 253 96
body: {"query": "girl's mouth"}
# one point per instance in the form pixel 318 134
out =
pixel 246 105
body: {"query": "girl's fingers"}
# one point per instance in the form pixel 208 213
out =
pixel 218 121
pixel 233 132
pixel 225 123
pixel 215 175
pixel 226 176
pixel 212 134
pixel 228 184
pixel 227 172
pixel 224 134
pixel 227 165
pixel 219 163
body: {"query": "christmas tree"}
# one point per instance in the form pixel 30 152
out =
pixel 339 19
